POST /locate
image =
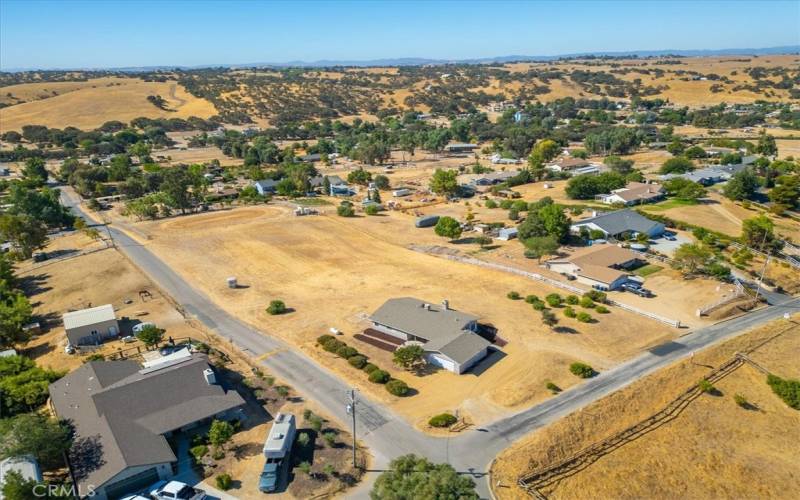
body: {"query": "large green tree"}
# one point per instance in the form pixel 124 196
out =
pixel 26 233
pixel 443 182
pixel 23 385
pixel 759 233
pixel 742 186
pixel 411 477
pixel 43 437
pixel 448 227
pixel 677 165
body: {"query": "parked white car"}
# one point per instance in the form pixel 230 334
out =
pixel 141 326
pixel 134 497
pixel 175 490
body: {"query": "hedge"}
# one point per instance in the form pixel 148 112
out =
pixel 379 376
pixel 369 368
pixel 397 387
pixel 357 361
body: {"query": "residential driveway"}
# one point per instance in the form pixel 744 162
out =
pixel 666 247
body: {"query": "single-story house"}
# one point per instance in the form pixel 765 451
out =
pixel 26 466
pixel 634 193
pixel 567 164
pixel 711 174
pixel 265 186
pixel 619 223
pixel 311 158
pixel 497 159
pixel 123 413
pixel 493 178
pixel 448 336
pixel 317 182
pixel 91 326
pixel 603 267
pixel 460 147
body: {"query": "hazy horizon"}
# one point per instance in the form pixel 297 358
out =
pixel 81 34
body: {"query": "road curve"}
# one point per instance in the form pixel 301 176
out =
pixel 385 433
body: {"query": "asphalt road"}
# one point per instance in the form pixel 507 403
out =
pixel 385 433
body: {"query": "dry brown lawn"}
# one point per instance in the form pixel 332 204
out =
pixel 713 449
pixel 334 272
pixel 90 105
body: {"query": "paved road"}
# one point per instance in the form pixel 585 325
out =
pixel 385 433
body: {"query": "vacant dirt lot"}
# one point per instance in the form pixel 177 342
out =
pixel 103 277
pixel 713 449
pixel 333 272
pixel 95 102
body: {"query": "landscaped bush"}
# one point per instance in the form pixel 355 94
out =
pixel 442 420
pixel 572 300
pixel 705 386
pixel 282 390
pixel 224 482
pixel 276 307
pixel 513 295
pixel 553 387
pixel 587 302
pixel 330 438
pixel 787 390
pixel 316 422
pixel 569 312
pixel 397 387
pixel 357 361
pixel 596 296
pixel 582 370
pixel 530 299
pixel 379 377
pixel 539 306
pixel 304 467
pixel 346 352
pixel 491 204
pixel 584 317
pixel 602 309
pixel 553 300
pixel 372 210
pixel 324 339
pixel 333 345
pixel 198 452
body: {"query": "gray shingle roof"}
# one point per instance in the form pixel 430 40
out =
pixel 444 329
pixel 91 316
pixel 122 411
pixel 620 221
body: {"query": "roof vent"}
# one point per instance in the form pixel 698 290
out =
pixel 210 376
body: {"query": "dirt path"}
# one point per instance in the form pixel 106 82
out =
pixel 173 95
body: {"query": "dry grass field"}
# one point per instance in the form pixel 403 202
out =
pixel 333 272
pixel 88 105
pixel 713 449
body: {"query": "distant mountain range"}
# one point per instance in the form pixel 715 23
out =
pixel 418 61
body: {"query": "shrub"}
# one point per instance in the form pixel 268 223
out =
pixel 218 454
pixel 304 467
pixel 506 204
pixel 94 357
pixel 276 307
pixel 269 380
pixel 345 209
pixel 584 317
pixel 346 352
pixel 513 295
pixel 397 387
pixel 596 296
pixel 357 361
pixel 220 432
pixel 582 370
pixel 587 302
pixel 316 422
pixel 572 300
pixel 324 339
pixel 539 306
pixel 602 309
pixel 369 368
pixel 554 300
pixel 372 210
pixel 224 482
pixel 740 400
pixel 442 420
pixel 333 345
pixel 307 414
pixel 379 377
pixel 569 312
pixel 553 388
pixel 787 390
pixel 329 437
pixel 328 469
pixel 303 439
pixel 198 452
pixel 705 386
pixel 530 299
pixel 282 390
pixel 491 204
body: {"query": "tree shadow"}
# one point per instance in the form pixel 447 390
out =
pixel 86 456
pixel 33 284
pixel 566 329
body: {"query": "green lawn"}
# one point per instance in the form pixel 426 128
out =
pixel 667 204
pixel 647 270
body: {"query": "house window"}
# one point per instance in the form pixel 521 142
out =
pixel 94 332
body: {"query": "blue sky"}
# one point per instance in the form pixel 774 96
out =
pixel 83 34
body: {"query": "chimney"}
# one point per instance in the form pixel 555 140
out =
pixel 210 376
pixel 445 305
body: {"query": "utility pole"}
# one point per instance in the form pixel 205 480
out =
pixel 351 410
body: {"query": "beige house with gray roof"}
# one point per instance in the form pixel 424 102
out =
pixel 91 326
pixel 449 337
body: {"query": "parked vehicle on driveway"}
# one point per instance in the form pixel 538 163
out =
pixel 175 490
pixel 277 451
pixel 137 328
pixel 636 289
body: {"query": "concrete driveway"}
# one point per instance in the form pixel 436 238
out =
pixel 667 247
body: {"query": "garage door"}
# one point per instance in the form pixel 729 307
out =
pixel 132 484
pixel 441 361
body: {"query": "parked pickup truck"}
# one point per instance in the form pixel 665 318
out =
pixel 277 451
pixel 175 490
pixel 637 289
